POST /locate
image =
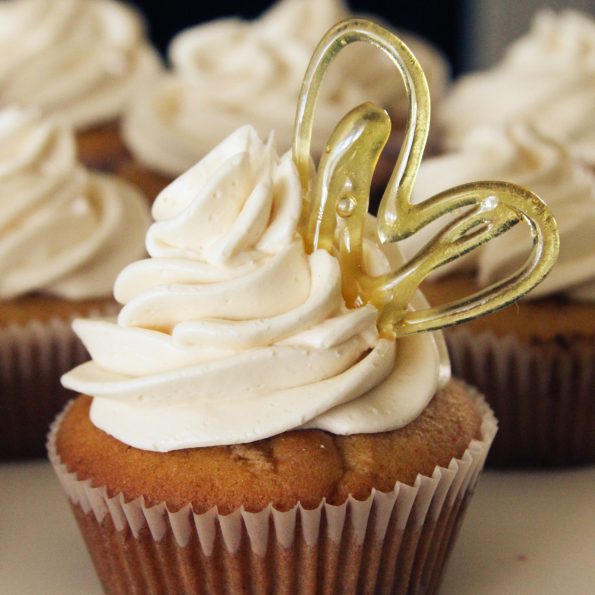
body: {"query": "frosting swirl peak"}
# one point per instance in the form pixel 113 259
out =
pixel 63 230
pixel 231 332
pixel 546 77
pixel 230 72
pixel 78 60
pixel 520 154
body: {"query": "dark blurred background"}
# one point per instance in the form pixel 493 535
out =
pixel 471 33
pixel 434 19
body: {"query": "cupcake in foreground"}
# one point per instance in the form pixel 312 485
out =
pixel 547 77
pixel 229 72
pixel 232 341
pixel 253 419
pixel 65 233
pixel 79 61
pixel 534 362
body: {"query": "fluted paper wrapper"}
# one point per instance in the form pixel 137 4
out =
pixel 543 394
pixel 32 359
pixel 395 542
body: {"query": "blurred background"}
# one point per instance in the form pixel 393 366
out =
pixel 472 33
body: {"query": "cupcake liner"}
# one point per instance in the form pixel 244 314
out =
pixel 32 359
pixel 541 392
pixel 395 542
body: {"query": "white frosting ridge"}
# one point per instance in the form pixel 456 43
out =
pixel 230 72
pixel 518 153
pixel 78 60
pixel 546 77
pixel 63 230
pixel 231 333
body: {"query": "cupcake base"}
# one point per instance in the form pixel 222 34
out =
pixel 535 363
pixel 542 393
pixel 406 560
pixel 394 542
pixel 33 356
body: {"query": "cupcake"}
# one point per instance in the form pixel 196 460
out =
pixel 229 72
pixel 534 361
pixel 250 417
pixel 246 426
pixel 64 234
pixel 79 62
pixel 546 77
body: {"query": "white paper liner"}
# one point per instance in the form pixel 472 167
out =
pixel 33 356
pixel 543 394
pixel 399 519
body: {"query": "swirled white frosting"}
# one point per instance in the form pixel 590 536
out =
pixel 230 72
pixel 78 60
pixel 517 153
pixel 63 230
pixel 231 333
pixel 547 77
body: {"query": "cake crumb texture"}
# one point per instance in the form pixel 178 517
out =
pixel 296 466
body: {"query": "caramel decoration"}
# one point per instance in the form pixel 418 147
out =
pixel 336 199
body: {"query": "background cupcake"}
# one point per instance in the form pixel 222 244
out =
pixel 79 61
pixel 535 361
pixel 64 235
pixel 546 77
pixel 231 338
pixel 231 72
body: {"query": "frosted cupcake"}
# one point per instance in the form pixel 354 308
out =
pixel 79 61
pixel 64 234
pixel 546 77
pixel 230 72
pixel 296 429
pixel 265 409
pixel 535 361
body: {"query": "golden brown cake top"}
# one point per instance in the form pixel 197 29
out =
pixel 528 320
pixel 298 466
pixel 43 308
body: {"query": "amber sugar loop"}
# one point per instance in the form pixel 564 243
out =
pixel 336 199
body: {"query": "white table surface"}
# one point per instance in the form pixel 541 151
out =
pixel 524 534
